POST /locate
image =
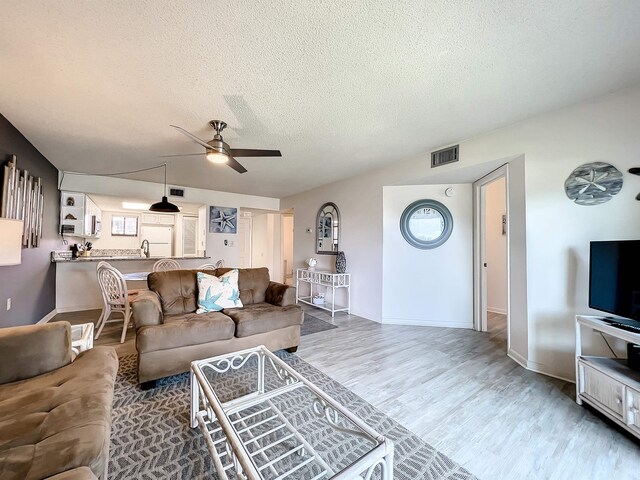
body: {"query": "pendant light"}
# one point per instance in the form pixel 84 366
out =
pixel 164 206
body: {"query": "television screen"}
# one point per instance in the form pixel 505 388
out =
pixel 614 277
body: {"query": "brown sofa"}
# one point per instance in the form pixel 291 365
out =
pixel 55 414
pixel 170 335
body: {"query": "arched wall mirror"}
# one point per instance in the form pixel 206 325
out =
pixel 426 224
pixel 328 228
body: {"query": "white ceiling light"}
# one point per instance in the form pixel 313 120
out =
pixel 217 157
pixel 135 206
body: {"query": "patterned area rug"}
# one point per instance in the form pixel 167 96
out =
pixel 312 324
pixel 151 437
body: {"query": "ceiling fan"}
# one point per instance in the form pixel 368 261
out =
pixel 218 151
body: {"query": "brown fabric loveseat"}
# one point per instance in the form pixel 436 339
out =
pixel 55 414
pixel 170 335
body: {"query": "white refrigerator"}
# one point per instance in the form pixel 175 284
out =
pixel 160 240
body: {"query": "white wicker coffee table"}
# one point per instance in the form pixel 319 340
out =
pixel 263 420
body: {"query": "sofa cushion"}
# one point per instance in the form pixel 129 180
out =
pixel 185 329
pixel 60 420
pixel 264 317
pixel 32 350
pixel 253 280
pixel 216 293
pixel 177 289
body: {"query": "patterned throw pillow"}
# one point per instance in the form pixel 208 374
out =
pixel 216 293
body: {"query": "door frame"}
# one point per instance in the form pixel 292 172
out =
pixel 479 250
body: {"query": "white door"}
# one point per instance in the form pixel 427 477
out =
pixel 480 280
pixel 244 237
pixel 189 236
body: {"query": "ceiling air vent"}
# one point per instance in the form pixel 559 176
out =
pixel 176 192
pixel 444 156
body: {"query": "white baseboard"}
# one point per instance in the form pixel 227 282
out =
pixel 501 311
pixel 426 323
pixel 538 367
pixel 48 316
pixel 80 308
pixel 513 355
pixel 545 370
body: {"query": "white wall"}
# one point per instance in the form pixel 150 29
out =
pixel 557 231
pixel 496 246
pixel 428 287
pixel 152 192
pixel 106 240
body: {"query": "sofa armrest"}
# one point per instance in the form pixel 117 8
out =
pixel 32 350
pixel 80 473
pixel 280 294
pixel 147 309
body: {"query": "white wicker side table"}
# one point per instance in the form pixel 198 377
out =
pixel 81 338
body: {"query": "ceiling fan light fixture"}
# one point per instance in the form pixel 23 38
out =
pixel 217 157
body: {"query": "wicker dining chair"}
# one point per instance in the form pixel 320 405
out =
pixel 207 266
pixel 165 265
pixel 115 297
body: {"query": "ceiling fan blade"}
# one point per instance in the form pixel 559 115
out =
pixel 252 152
pixel 181 155
pixel 233 163
pixel 191 136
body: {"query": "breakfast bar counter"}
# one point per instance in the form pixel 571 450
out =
pixel 77 284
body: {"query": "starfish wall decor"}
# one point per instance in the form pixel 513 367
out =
pixel 223 220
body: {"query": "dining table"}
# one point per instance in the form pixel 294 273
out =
pixel 136 276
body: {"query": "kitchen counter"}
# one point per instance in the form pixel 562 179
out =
pixel 77 284
pixel 120 258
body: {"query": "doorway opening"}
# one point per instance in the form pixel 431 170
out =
pixel 491 255
pixel 287 247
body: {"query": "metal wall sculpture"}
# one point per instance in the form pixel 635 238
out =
pixel 23 199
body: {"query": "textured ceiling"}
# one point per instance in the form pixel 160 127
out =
pixel 339 87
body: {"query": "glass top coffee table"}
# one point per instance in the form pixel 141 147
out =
pixel 261 419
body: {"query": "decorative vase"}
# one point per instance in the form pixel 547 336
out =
pixel 341 262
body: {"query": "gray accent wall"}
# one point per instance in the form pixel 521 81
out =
pixel 32 284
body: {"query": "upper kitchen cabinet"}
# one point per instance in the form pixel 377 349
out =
pixel 158 219
pixel 79 215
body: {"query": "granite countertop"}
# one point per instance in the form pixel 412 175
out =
pixel 120 259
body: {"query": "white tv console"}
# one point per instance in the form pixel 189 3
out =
pixel 607 384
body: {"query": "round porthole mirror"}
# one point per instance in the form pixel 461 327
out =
pixel 426 224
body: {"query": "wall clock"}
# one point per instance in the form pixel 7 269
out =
pixel 426 224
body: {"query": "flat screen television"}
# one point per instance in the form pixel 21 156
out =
pixel 614 277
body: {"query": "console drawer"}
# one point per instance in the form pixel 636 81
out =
pixel 633 409
pixel 603 389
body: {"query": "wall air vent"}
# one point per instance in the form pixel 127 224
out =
pixel 176 192
pixel 445 156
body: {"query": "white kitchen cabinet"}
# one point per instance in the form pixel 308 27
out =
pixel 157 219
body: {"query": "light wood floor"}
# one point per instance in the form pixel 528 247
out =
pixel 459 391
